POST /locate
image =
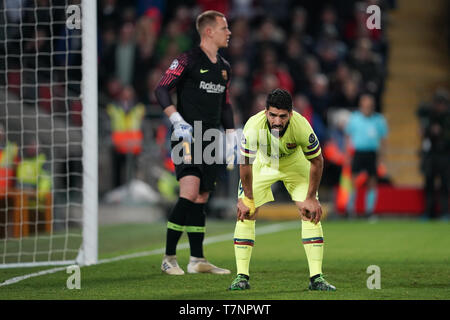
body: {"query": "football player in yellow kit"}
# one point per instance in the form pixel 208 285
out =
pixel 279 144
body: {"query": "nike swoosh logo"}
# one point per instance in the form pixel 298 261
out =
pixel 203 70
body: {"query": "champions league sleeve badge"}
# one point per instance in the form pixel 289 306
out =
pixel 173 65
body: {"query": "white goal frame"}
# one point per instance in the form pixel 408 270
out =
pixel 88 252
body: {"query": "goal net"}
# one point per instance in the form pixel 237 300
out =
pixel 48 132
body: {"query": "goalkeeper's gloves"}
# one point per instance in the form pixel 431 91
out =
pixel 181 129
pixel 231 149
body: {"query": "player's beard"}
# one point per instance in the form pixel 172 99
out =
pixel 279 129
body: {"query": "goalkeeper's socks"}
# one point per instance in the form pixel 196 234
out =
pixel 195 228
pixel 244 239
pixel 176 224
pixel 312 238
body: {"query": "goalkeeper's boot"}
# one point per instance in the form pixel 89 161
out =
pixel 170 266
pixel 320 284
pixel 201 265
pixel 240 283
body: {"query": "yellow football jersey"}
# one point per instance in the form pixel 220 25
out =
pixel 299 140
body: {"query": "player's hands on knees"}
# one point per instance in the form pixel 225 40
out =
pixel 310 210
pixel 245 210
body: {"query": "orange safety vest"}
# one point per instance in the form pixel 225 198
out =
pixel 8 157
pixel 127 136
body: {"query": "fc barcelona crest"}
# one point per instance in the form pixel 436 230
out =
pixel 225 74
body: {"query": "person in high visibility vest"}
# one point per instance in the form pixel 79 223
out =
pixel 126 131
pixel 31 172
pixel 8 161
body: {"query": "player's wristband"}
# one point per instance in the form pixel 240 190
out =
pixel 250 203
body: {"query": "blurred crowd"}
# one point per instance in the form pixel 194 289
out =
pixel 320 51
pixel 434 120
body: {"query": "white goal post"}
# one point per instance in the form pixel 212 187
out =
pixel 48 133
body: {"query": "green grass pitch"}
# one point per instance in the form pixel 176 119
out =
pixel 414 258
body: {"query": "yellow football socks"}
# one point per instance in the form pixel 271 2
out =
pixel 312 238
pixel 244 239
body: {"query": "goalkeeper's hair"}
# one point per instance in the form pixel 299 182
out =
pixel 280 99
pixel 207 18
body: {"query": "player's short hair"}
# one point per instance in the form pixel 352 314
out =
pixel 207 18
pixel 280 99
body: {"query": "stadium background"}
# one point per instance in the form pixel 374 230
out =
pixel 320 53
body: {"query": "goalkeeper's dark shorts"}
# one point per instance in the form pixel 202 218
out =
pixel 365 161
pixel 186 154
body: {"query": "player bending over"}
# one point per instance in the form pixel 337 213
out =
pixel 279 144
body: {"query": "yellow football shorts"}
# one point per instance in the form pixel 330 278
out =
pixel 294 175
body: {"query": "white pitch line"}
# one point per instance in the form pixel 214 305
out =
pixel 225 237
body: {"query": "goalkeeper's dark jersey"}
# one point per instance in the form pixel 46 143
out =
pixel 202 89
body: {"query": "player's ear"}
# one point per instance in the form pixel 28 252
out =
pixel 208 30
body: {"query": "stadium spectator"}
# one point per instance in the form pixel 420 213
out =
pixel 124 55
pixel 270 66
pixel 145 57
pixel 33 170
pixel 329 49
pixel 298 21
pixel 268 35
pixel 349 96
pixel 149 99
pixel 319 96
pixel 435 164
pixel 173 36
pixel 338 78
pixel 8 161
pixel 328 21
pixel 367 131
pixel 294 60
pixel 107 45
pixel 302 106
pixel 276 10
pixel 311 68
pixel 297 28
pixel 242 9
pixel 113 89
pixel 109 14
pixel 240 88
pixel 241 48
pixel 126 135
pixel 368 63
pixel 36 61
